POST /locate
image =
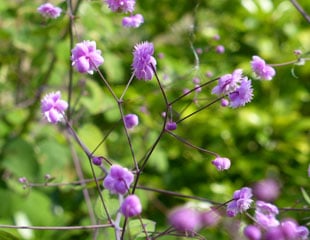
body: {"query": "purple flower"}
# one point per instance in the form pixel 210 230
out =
pixel 185 219
pixel 274 233
pixel 242 95
pixel 303 232
pixel 266 190
pixel 228 83
pixel 118 180
pixel 261 69
pixel 133 21
pixel 131 206
pixel 142 61
pixel 53 108
pixel 265 214
pixel 131 120
pixel 240 203
pixel 121 5
pixel 85 57
pixel 252 232
pixel 221 163
pixel 49 11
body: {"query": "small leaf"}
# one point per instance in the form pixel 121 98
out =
pixel 305 195
pixel 136 230
pixel 111 202
pixel 7 236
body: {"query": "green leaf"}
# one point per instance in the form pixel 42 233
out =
pixel 20 159
pixel 305 195
pixel 136 230
pixel 111 202
pixel 7 236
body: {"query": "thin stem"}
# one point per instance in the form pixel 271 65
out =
pixel 70 26
pixel 107 84
pixel 127 86
pixel 301 10
pixel 191 145
pixel 200 109
pixel 58 227
pixel 176 194
pixel 128 137
pixel 86 195
pixel 192 90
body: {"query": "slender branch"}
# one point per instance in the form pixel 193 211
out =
pixel 58 227
pixel 301 10
pixel 191 145
pixel 70 26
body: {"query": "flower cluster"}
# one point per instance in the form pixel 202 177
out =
pixel 53 107
pixel 267 227
pixel 85 57
pixel 237 87
pixel 49 11
pixel 189 220
pixel 240 203
pixel 118 180
pixel 133 21
pixel 261 69
pixel 143 61
pixel 121 5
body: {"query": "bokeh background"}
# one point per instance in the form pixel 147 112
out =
pixel 268 138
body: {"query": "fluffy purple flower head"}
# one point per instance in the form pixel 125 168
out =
pixel 240 203
pixel 228 83
pixel 121 5
pixel 252 232
pixel 49 11
pixel 53 108
pixel 221 164
pixel 118 180
pixel 185 219
pixel 133 21
pixel 265 214
pixel 266 190
pixel 131 206
pixel 261 69
pixel 242 95
pixel 85 57
pixel 274 233
pixel 142 61
pixel 131 120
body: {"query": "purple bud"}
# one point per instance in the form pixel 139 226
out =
pixel 160 55
pixel 297 52
pixel 216 37
pixel 196 80
pixel 170 126
pixel 199 51
pixel 131 120
pixel 185 219
pixel 209 74
pixel 221 163
pixel 210 218
pixel 220 49
pixel 252 232
pixel 131 206
pixel 224 102
pixel 23 180
pixel 266 190
pixel 97 160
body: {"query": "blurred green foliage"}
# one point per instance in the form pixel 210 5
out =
pixel 267 138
